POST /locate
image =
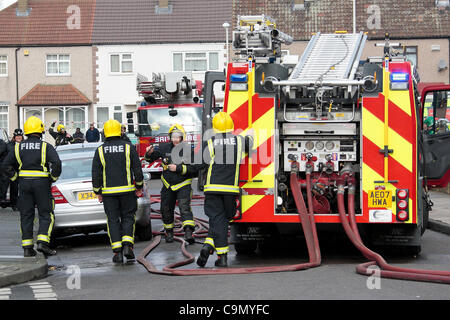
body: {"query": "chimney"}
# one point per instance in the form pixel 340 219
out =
pixel 163 3
pixel 22 8
pixel 163 7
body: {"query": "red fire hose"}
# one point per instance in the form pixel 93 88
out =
pixel 309 229
pixel 387 270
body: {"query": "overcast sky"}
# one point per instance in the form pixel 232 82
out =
pixel 6 3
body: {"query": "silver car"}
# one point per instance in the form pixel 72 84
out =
pixel 77 209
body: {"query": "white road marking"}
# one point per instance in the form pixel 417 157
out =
pixel 5 293
pixel 43 291
pixel 45 295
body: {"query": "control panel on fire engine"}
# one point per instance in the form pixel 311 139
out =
pixel 326 153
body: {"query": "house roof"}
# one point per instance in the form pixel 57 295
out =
pixel 53 95
pixel 137 21
pixel 401 19
pixel 49 22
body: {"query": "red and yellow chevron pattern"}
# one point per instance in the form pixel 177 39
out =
pixel 257 175
pixel 390 120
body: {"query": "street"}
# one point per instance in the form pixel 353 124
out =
pixel 83 269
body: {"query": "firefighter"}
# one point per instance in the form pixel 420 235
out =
pixel 14 185
pixel 36 164
pixel 114 168
pixel 61 136
pixel 176 177
pixel 223 156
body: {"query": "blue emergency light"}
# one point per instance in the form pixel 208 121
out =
pixel 241 78
pixel 399 77
pixel 399 81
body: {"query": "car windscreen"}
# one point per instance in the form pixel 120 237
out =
pixel 74 169
pixel 78 150
pixel 159 121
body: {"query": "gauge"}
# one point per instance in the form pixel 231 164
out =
pixel 320 145
pixel 329 145
pixel 309 145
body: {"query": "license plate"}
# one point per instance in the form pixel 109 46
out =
pixel 86 196
pixel 380 198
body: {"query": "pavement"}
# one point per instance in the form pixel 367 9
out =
pixel 440 215
pixel 15 269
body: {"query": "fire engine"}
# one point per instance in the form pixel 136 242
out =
pixel 333 118
pixel 170 98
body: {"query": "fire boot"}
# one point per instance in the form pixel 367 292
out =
pixel 118 257
pixel 222 261
pixel 169 235
pixel 206 251
pixel 128 252
pixel 188 234
pixel 45 249
pixel 29 252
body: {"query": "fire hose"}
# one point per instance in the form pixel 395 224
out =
pixel 310 232
pixel 387 271
pixel 308 226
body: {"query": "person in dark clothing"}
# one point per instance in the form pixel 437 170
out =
pixel 117 180
pixel 177 179
pixel 124 134
pixel 78 136
pixel 224 154
pixel 37 165
pixel 92 134
pixel 3 179
pixel 61 136
pixel 14 185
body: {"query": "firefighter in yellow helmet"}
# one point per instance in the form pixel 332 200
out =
pixel 177 178
pixel 223 157
pixel 61 136
pixel 36 165
pixel 118 180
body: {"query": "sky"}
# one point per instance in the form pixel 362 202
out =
pixel 6 3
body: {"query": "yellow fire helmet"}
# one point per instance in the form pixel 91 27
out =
pixel 222 122
pixel 112 128
pixel 60 128
pixel 33 125
pixel 177 128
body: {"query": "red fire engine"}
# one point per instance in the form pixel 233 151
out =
pixel 348 127
pixel 169 98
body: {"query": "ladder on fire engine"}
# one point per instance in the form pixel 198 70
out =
pixel 329 59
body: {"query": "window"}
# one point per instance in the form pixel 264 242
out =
pixel 195 61
pixel 121 63
pixel 102 116
pixel 3 66
pixel 58 64
pixel 410 54
pixel 4 117
pixel 437 113
pixel 117 113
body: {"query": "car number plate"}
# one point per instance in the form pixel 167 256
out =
pixel 86 196
pixel 380 198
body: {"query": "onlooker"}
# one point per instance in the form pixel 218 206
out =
pixel 78 136
pixel 92 134
pixel 124 134
pixel 14 185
